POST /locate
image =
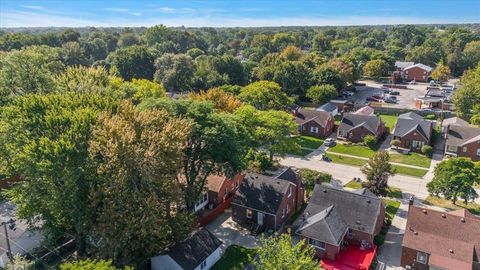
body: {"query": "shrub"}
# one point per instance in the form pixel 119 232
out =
pixel 395 143
pixel 311 177
pixel 258 161
pixel 370 141
pixel 427 150
pixel 430 117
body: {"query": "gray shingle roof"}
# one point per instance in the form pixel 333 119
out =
pixel 454 121
pixel 195 249
pixel 328 107
pixel 350 121
pixel 462 135
pixel 261 192
pixel 289 175
pixel 409 122
pixel 303 116
pixel 326 226
pixel 402 64
pixel 357 210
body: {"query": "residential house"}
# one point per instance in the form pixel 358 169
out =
pixel 366 110
pixel 221 187
pixel 336 219
pixel 329 107
pixel 417 72
pixel 463 141
pixel 453 121
pixel 354 127
pixel 401 65
pixel 314 123
pixel 413 131
pixel 441 240
pixel 266 201
pixel 200 251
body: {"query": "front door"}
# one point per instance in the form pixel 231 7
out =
pixel 260 218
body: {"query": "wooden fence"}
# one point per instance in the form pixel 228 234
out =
pixel 214 213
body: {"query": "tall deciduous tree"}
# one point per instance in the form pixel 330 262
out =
pixel 221 100
pixel 441 73
pixel 321 93
pixel 467 97
pixel 175 72
pixel 264 95
pixel 454 178
pixel 44 140
pixel 378 170
pixel 217 144
pixel 89 264
pixel 375 68
pixel 93 80
pixel 137 156
pixel 29 70
pixel 280 253
pixel 134 62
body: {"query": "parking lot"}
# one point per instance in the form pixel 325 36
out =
pixel 406 99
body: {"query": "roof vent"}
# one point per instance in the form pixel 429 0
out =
pixel 278 182
pixel 450 250
pixel 424 211
pixel 415 233
pixel 462 220
pixel 358 222
pixel 324 191
pixel 369 201
pixel 444 216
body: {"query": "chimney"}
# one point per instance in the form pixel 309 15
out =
pixel 411 200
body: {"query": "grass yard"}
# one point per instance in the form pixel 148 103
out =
pixel 338 119
pixel 394 193
pixel 437 201
pixel 390 211
pixel 235 258
pixel 409 171
pixel 354 150
pixel 353 184
pixel 346 160
pixel 309 142
pixel 414 159
pixel 390 120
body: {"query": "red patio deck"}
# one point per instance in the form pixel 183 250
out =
pixel 351 258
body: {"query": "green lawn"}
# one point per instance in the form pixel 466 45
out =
pixel 414 159
pixel 234 258
pixel 346 160
pixel 338 119
pixel 409 171
pixel 390 120
pixel 394 193
pixel 309 142
pixel 354 150
pixel 437 201
pixel 353 184
pixel 390 211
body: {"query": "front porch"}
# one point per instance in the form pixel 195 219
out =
pixel 351 258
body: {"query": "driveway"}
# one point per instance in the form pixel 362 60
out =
pixel 389 254
pixel 230 233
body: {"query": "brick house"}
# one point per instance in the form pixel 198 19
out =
pixel 337 218
pixel 401 65
pixel 221 187
pixel 413 131
pixel 417 72
pixel 266 201
pixel 441 240
pixel 314 123
pixel 463 141
pixel 354 127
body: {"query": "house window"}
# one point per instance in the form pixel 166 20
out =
pixel 350 233
pixel 422 257
pixel 303 127
pixel 314 129
pixel 478 152
pixel 289 191
pixel 464 149
pixel 452 148
pixel 249 213
pixel 203 265
pixel 406 71
pixel 316 243
pixel 203 199
pixel 287 209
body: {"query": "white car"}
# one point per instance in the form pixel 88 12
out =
pixel 412 82
pixel 329 142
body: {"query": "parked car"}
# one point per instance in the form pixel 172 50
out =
pixel 412 82
pixel 373 99
pixel 389 100
pixel 348 93
pixel 329 142
pixel 390 97
pixel 426 110
pixel 377 97
pixel 395 93
pixel 387 91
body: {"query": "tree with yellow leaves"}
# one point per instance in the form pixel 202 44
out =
pixel 220 99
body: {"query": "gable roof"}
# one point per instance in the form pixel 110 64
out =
pixel 326 226
pixel 195 249
pixel 402 64
pixel 320 117
pixel 366 110
pixel 328 107
pixel 422 66
pixel 356 210
pixel 215 182
pixel 444 235
pixel 261 192
pixel 350 121
pixel 289 175
pixel 408 122
pixel 455 121
pixel 462 135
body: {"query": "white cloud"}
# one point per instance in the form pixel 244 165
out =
pixel 35 19
pixel 166 9
pixel 33 7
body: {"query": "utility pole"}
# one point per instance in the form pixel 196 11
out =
pixel 10 255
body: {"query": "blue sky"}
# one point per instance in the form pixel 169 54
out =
pixel 228 13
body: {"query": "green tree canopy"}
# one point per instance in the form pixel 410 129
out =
pixel 175 71
pixel 378 170
pixel 321 93
pixel 467 97
pixel 264 95
pixel 441 73
pixel 134 62
pixel 375 68
pixel 454 179
pixel 89 264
